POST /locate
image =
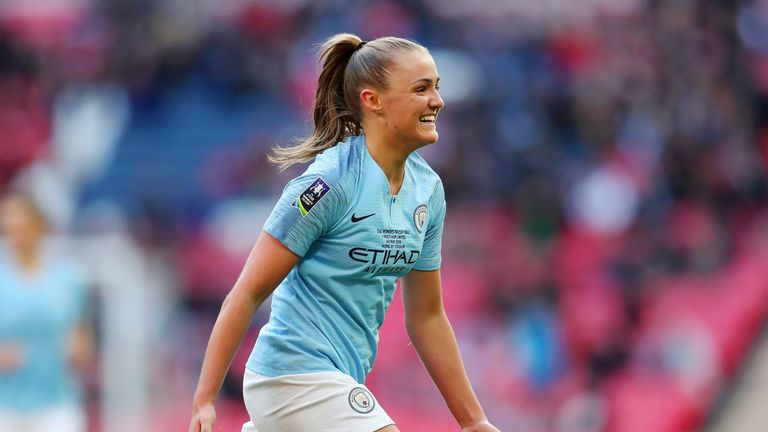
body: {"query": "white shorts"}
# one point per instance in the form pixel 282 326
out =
pixel 64 418
pixel 323 401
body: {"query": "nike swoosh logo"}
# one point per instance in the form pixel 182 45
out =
pixel 356 219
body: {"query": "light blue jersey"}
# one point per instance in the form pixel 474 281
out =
pixel 354 239
pixel 38 314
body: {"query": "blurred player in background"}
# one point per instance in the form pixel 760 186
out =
pixel 44 338
pixel 367 211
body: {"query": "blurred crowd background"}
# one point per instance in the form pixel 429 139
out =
pixel 604 162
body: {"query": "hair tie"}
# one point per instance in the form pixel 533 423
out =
pixel 360 45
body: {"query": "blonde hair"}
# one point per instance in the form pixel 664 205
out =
pixel 348 64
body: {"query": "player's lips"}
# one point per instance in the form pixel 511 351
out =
pixel 428 119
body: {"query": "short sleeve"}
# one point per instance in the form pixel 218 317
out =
pixel 309 206
pixel 430 257
pixel 79 284
pixel 71 294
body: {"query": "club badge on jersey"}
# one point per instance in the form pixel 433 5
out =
pixel 361 400
pixel 420 217
pixel 314 193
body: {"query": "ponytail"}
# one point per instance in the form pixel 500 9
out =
pixel 346 67
pixel 333 119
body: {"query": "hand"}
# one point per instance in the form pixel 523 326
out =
pixel 203 418
pixel 11 357
pixel 483 426
pixel 81 349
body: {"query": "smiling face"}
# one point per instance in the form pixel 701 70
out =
pixel 411 102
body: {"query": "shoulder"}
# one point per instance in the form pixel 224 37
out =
pixel 334 173
pixel 63 262
pixel 424 174
pixel 337 165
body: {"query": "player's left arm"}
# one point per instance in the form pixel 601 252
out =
pixel 81 341
pixel 81 347
pixel 432 336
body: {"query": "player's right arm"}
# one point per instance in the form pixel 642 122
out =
pixel 267 265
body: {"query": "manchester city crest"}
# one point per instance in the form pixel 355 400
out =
pixel 420 217
pixel 361 400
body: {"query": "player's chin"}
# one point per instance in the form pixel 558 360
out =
pixel 430 135
pixel 425 142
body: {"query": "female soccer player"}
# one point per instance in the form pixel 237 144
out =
pixel 45 339
pixel 367 211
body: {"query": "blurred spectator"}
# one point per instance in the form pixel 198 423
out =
pixel 45 341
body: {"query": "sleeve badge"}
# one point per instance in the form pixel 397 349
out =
pixel 311 196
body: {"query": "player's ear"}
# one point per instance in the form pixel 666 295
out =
pixel 370 100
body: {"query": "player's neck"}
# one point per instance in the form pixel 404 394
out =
pixel 28 259
pixel 391 161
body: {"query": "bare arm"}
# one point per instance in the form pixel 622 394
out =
pixel 433 338
pixel 267 265
pixel 81 347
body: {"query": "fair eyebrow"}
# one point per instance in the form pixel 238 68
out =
pixel 427 80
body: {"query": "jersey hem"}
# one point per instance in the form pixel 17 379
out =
pixel 427 268
pixel 268 371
